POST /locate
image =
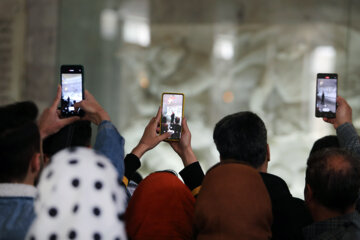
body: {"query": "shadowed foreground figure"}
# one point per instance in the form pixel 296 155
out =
pixel 237 207
pixel 242 137
pixel 332 188
pixel 79 198
pixel 20 165
pixel 162 207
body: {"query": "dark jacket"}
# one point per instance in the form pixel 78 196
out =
pixel 290 213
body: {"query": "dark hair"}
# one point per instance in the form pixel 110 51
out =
pixel 74 135
pixel 334 177
pixel 241 136
pixel 19 140
pixel 330 141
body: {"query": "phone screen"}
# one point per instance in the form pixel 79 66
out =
pixel 71 89
pixel 326 93
pixel 172 109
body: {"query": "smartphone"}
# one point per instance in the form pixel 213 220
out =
pixel 172 112
pixel 72 89
pixel 326 94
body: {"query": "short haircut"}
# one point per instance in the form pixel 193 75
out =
pixel 334 177
pixel 77 134
pixel 330 141
pixel 242 136
pixel 19 140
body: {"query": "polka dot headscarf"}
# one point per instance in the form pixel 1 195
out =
pixel 80 197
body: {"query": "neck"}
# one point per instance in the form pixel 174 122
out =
pixel 321 213
pixel 29 180
pixel 263 167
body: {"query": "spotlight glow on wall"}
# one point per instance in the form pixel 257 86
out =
pixel 323 60
pixel 224 47
pixel 137 31
pixel 108 24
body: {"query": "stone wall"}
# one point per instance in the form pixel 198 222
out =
pixel 41 51
pixel 12 41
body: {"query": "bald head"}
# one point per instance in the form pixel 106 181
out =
pixel 334 177
pixel 338 163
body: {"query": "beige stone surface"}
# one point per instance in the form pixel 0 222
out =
pixel 12 32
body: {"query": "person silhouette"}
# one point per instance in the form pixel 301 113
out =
pixel 323 98
pixel 172 118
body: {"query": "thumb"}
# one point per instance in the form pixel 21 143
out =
pixel 184 125
pixel 57 98
pixel 329 120
pixel 79 104
pixel 88 95
pixel 340 100
pixel 164 136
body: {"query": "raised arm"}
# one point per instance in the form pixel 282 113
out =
pixel 148 141
pixel 346 133
pixel 50 121
pixel 150 137
pixel 108 140
pixel 192 173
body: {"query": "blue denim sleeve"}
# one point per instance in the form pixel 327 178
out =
pixel 110 143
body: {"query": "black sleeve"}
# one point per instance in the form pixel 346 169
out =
pixel 132 163
pixel 193 176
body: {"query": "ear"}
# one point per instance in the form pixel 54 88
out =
pixel 35 163
pixel 267 153
pixel 46 159
pixel 308 193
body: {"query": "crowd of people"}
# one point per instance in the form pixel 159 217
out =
pixel 55 185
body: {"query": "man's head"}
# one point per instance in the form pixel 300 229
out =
pixel 330 141
pixel 332 179
pixel 19 143
pixel 242 136
pixel 78 134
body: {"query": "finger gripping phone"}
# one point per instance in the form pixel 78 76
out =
pixel 326 94
pixel 72 89
pixel 172 111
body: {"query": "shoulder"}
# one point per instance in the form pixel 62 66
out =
pixel 19 211
pixel 276 186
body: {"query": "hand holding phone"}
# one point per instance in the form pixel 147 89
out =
pixel 343 113
pixel 172 111
pixel 93 111
pixel 183 147
pixel 326 94
pixel 49 121
pixel 150 137
pixel 72 85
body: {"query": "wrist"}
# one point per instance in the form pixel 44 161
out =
pixel 43 130
pixel 43 133
pixel 342 123
pixel 188 157
pixel 139 150
pixel 101 115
